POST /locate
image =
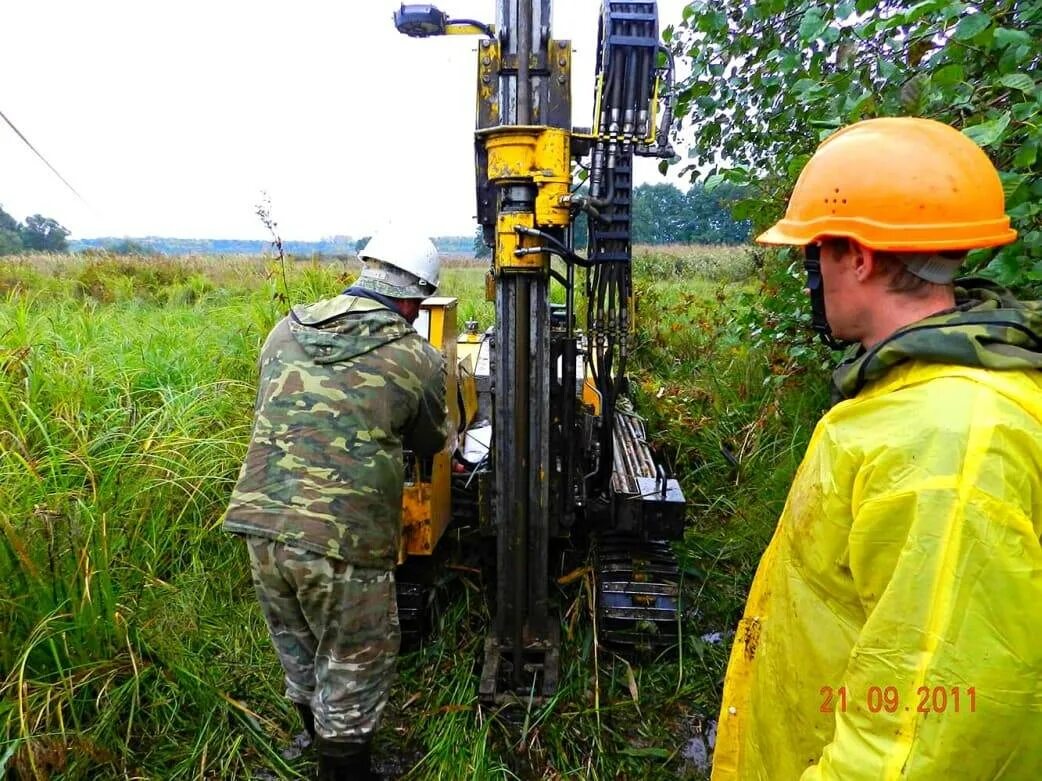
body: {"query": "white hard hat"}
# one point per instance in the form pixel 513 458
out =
pixel 407 251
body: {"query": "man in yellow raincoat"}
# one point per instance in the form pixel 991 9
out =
pixel 894 627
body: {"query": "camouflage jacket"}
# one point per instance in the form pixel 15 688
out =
pixel 988 328
pixel 345 384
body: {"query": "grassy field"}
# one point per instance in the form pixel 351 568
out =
pixel 132 646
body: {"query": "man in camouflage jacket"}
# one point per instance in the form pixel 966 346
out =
pixel 345 385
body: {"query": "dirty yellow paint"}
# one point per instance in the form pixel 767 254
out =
pixel 427 506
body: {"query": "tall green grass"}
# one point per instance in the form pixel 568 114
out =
pixel 131 643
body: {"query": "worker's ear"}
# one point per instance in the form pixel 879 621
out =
pixel 864 260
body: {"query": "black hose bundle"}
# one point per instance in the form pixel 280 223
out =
pixel 627 62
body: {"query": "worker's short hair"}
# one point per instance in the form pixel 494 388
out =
pixel 898 267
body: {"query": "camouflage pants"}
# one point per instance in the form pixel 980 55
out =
pixel 335 628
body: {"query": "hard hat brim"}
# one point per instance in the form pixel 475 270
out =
pixel 891 238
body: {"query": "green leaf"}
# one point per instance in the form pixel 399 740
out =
pixel 790 63
pixel 715 22
pixel 812 25
pixel 804 85
pixel 796 165
pixel 1025 110
pixel 947 75
pixel 1006 37
pixel 971 26
pixel 865 104
pixel 1026 155
pixel 714 181
pixel 663 166
pixel 987 133
pixel 1006 264
pixel 1024 209
pixel 746 208
pixel 657 753
pixel 1018 81
pixel 919 10
pixel 1011 182
pixel 887 70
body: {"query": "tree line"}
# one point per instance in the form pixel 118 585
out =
pixel 36 234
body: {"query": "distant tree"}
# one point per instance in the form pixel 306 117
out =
pixel 481 249
pixel 10 241
pixel 660 215
pixel 709 219
pixel 360 244
pixel 44 234
pixel 663 214
pixel 7 222
pixel 129 247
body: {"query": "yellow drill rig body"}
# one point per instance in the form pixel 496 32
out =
pixel 567 457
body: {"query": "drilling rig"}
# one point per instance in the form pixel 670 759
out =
pixel 568 458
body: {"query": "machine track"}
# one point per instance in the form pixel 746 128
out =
pixel 638 594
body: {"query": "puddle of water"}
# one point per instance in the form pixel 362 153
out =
pixel 699 747
pixel 696 753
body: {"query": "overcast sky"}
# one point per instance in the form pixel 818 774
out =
pixel 170 119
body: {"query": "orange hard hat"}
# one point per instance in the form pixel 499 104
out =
pixel 897 184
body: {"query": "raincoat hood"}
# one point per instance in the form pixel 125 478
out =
pixel 988 328
pixel 345 327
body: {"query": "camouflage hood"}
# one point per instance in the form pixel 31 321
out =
pixel 345 327
pixel 988 328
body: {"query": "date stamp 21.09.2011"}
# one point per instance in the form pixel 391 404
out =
pixel 887 699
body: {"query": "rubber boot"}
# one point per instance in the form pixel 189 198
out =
pixel 344 761
pixel 307 718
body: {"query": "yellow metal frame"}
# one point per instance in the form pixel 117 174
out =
pixel 508 240
pixel 468 353
pixel 467 29
pixel 653 119
pixel 427 506
pixel 597 106
pixel 537 154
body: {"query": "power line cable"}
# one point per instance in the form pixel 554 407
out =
pixel 37 153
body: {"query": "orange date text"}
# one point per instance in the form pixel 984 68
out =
pixel 887 699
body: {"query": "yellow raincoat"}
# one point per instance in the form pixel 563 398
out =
pixel 894 628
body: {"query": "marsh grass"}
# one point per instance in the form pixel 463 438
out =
pixel 132 646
